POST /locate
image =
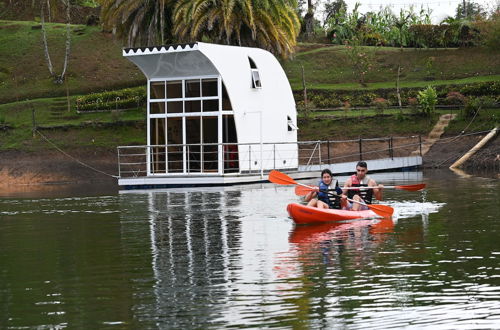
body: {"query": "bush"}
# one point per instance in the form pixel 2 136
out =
pixel 427 100
pixel 455 98
pixel 490 32
pixel 380 104
pixel 473 105
pixel 111 100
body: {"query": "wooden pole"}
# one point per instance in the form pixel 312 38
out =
pixel 472 151
pixel 33 121
pixel 304 86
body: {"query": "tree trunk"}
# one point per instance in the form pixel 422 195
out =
pixel 309 20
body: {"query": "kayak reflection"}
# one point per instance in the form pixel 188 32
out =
pixel 349 230
pixel 330 241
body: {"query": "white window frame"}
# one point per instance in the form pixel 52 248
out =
pixel 219 113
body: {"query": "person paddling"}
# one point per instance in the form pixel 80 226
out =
pixel 360 179
pixel 322 199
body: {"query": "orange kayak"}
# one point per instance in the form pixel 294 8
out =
pixel 302 214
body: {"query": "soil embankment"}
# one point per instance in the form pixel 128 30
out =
pixel 53 167
pixel 450 148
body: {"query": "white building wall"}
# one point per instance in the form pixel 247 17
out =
pixel 260 113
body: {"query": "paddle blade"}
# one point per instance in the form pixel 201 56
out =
pixel 302 191
pixel 382 210
pixel 411 187
pixel 280 178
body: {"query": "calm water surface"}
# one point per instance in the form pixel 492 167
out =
pixel 230 257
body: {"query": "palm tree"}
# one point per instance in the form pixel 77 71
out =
pixel 142 22
pixel 269 24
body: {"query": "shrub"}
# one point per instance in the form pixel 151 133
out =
pixel 473 105
pixel 380 104
pixel 490 32
pixel 455 98
pixel 427 100
pixel 120 99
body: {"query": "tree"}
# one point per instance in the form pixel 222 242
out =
pixel 141 22
pixel 272 25
pixel 309 20
pixel 334 9
pixel 469 10
pixel 58 79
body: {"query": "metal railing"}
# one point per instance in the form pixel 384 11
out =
pixel 243 158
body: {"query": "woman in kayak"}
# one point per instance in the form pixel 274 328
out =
pixel 322 199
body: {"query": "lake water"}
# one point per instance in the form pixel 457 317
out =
pixel 230 257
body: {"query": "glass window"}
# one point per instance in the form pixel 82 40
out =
pixel 174 107
pixel 256 79
pixel 193 88
pixel 193 106
pixel 157 90
pixel 174 89
pixel 209 87
pixel 156 107
pixel 210 105
pixel 226 102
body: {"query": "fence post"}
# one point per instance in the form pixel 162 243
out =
pixel 328 147
pixel 119 164
pixel 360 150
pixel 249 158
pixel 392 147
pixel 33 121
pixel 274 156
pixel 420 144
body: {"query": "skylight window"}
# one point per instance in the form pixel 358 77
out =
pixel 256 82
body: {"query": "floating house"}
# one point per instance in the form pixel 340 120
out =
pixel 219 115
pixel 216 114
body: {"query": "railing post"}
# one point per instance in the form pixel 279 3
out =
pixel 249 158
pixel 119 163
pixel 188 163
pixel 319 153
pixel 420 144
pixel 392 148
pixel 274 156
pixel 328 150
pixel 360 150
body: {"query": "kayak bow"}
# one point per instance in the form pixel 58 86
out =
pixel 302 214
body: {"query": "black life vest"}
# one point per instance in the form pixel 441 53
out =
pixel 330 199
pixel 366 194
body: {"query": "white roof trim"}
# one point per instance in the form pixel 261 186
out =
pixel 160 49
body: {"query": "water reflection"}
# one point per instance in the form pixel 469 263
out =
pixel 230 257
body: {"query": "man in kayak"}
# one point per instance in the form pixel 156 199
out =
pixel 322 199
pixel 360 179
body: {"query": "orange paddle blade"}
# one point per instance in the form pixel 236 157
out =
pixel 280 178
pixel 411 187
pixel 382 210
pixel 302 191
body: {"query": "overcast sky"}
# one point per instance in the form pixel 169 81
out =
pixel 440 8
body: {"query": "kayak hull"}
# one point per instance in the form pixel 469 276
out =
pixel 302 214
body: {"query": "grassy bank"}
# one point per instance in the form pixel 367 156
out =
pixel 330 68
pixel 96 62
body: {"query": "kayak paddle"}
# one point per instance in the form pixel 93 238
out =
pixel 283 179
pixel 302 191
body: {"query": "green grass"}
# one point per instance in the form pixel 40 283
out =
pixel 330 68
pixel 341 128
pixel 96 62
pixel 403 84
pixel 79 129
pixel 486 120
